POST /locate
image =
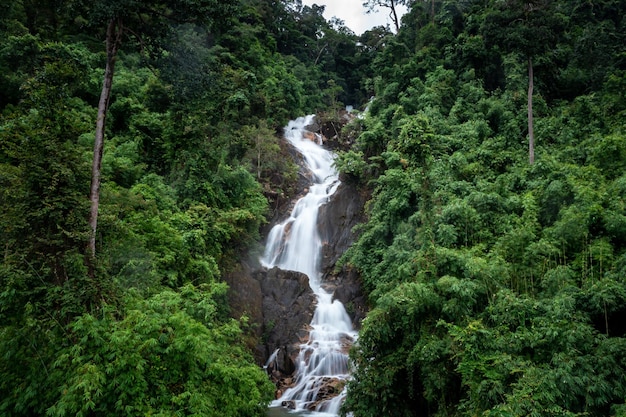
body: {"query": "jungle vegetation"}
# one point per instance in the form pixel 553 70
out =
pixel 111 296
pixel 496 276
pixel 495 270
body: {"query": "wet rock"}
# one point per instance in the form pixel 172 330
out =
pixel 288 304
pixel 328 388
pixel 348 291
pixel 314 126
pixel 279 305
pixel 337 218
pixel 289 404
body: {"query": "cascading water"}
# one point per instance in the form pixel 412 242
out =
pixel 295 245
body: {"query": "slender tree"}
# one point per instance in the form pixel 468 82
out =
pixel 533 27
pixel 531 131
pixel 147 22
pixel 113 42
pixel 392 5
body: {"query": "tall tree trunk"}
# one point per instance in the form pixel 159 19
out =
pixel 531 133
pixel 432 12
pixel 394 15
pixel 113 40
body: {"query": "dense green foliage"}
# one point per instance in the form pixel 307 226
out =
pixel 191 162
pixel 498 288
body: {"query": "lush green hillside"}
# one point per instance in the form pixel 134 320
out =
pixel 498 287
pixel 495 269
pixel 138 323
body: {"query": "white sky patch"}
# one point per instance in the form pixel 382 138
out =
pixel 354 14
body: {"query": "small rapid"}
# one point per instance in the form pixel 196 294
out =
pixel 322 367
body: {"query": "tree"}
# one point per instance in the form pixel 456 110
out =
pixel 533 28
pixel 392 5
pixel 171 355
pixel 113 42
pixel 531 130
pixel 147 22
pixel 44 177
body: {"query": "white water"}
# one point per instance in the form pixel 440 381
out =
pixel 295 245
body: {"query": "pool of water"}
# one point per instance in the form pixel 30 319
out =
pixel 285 412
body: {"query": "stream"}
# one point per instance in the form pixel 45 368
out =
pixel 322 367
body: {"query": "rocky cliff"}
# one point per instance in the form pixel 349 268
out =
pixel 280 304
pixel 336 220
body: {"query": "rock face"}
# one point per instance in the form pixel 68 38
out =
pixel 336 220
pixel 288 307
pixel 280 304
pixel 246 299
pixel 328 389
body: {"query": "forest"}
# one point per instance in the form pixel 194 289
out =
pixel 141 157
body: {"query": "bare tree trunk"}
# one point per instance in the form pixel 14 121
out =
pixel 531 133
pixel 394 15
pixel 258 156
pixel 432 11
pixel 113 40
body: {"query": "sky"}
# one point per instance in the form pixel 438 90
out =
pixel 353 14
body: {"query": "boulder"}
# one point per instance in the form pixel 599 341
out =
pixel 330 126
pixel 328 388
pixel 288 304
pixel 280 306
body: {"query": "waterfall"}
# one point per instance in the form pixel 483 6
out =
pixel 322 366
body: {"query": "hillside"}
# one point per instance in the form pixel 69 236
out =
pixel 491 141
pixel 140 155
pixel 495 269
